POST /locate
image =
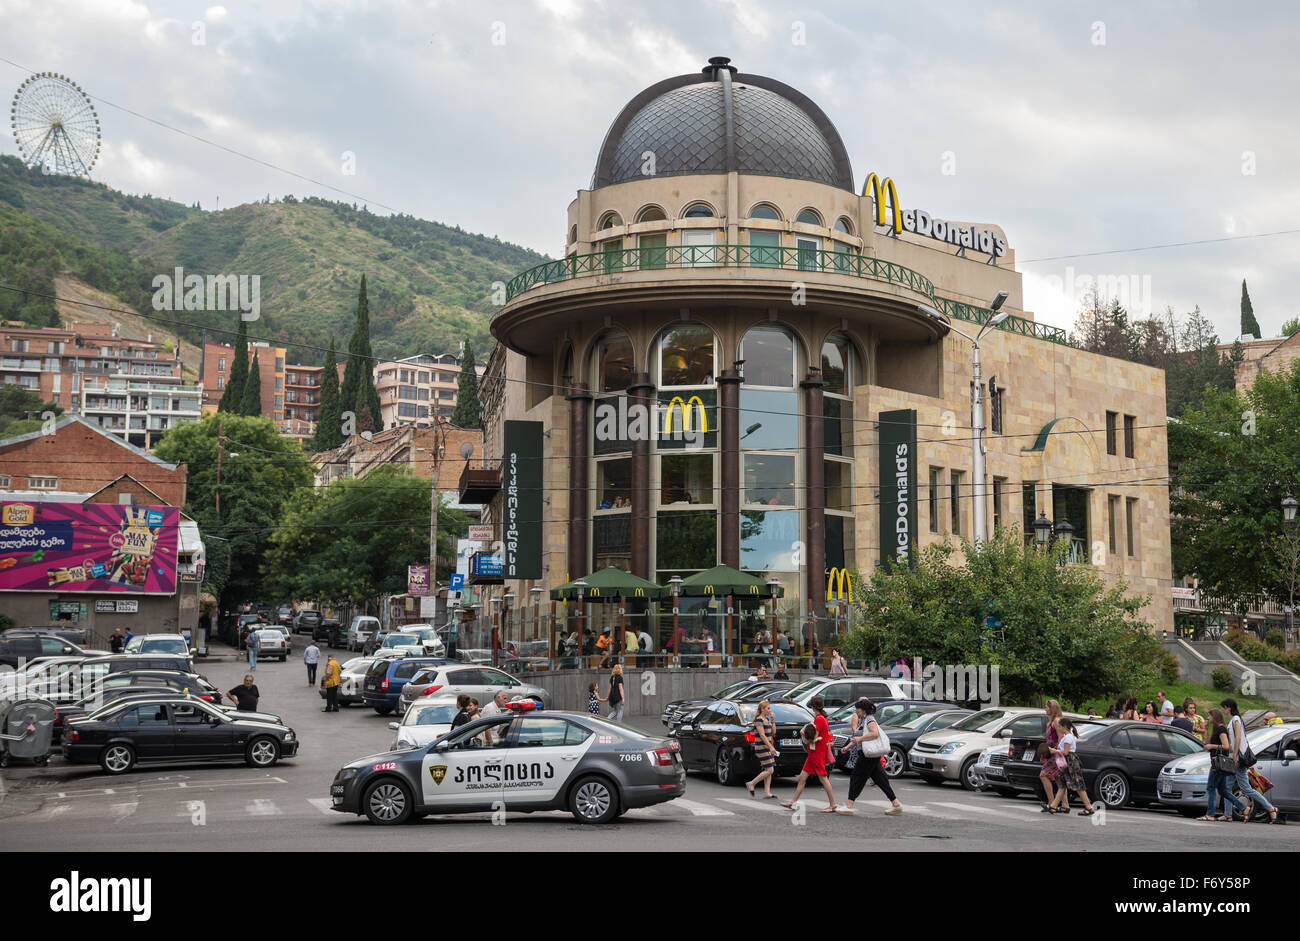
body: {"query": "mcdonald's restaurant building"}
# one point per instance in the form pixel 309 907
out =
pixel 736 363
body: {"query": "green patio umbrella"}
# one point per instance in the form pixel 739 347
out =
pixel 723 580
pixel 609 584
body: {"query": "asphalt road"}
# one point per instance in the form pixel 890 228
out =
pixel 232 807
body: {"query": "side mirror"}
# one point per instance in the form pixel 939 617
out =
pixel 194 651
pixel 1005 733
pixel 394 726
pixel 1290 755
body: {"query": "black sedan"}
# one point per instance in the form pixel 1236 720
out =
pixel 1121 759
pixel 720 739
pixel 903 729
pixel 333 632
pixel 678 708
pixel 117 684
pixel 165 730
pixel 521 761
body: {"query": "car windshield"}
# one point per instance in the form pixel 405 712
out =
pixel 357 665
pixel 842 714
pixel 728 690
pixel 909 719
pixel 394 640
pixel 984 721
pixel 1087 730
pixel 167 645
pixel 807 686
pixel 781 712
pixel 438 714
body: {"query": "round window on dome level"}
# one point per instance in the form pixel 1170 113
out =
pixel 651 214
pixel 809 217
pixel 609 220
pixel 698 211
pixel 764 211
pixel 842 224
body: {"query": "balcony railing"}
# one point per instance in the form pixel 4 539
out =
pixel 813 261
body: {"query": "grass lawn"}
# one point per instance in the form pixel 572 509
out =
pixel 1206 698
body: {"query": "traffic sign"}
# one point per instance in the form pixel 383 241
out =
pixel 457 582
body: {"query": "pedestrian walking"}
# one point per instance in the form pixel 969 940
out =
pixel 117 641
pixel 330 683
pixel 311 657
pixel 837 664
pixel 818 746
pixel 1222 770
pixel 252 644
pixel 616 697
pixel 594 699
pixel 764 750
pixel 1243 757
pixel 245 696
pixel 1048 753
pixel 1071 778
pixel 871 745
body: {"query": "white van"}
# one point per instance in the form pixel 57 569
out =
pixel 361 629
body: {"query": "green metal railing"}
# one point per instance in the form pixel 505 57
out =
pixel 813 261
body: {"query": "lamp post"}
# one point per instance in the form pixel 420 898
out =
pixel 1064 530
pixel 507 605
pixel 439 436
pixel 773 583
pixel 1042 530
pixel 495 635
pixel 976 405
pixel 581 585
pixel 1289 505
pixel 537 609
pixel 675 583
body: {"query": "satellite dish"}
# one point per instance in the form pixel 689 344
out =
pixel 467 450
pixel 367 435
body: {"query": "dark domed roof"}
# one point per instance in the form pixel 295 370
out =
pixel 715 122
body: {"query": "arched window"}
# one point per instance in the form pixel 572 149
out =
pixel 809 217
pixel 842 224
pixel 837 365
pixel 764 211
pixel 613 363
pixel 768 352
pixel 686 356
pixel 650 214
pixel 698 211
pixel 609 220
pixel 573 234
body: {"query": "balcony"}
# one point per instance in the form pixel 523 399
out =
pixel 479 484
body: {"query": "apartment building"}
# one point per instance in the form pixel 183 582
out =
pixel 418 389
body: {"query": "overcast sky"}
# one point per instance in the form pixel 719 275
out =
pixel 1086 127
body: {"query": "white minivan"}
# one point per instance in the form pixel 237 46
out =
pixel 361 629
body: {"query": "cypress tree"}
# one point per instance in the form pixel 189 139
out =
pixel 1249 325
pixel 232 399
pixel 358 390
pixel 468 413
pixel 329 431
pixel 251 403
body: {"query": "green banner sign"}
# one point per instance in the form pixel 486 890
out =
pixel 898 487
pixel 521 499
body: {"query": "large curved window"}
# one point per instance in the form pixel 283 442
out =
pixel 837 364
pixel 768 353
pixel 613 363
pixel 809 217
pixel 686 356
pixel 842 225
pixel 650 214
pixel 764 211
pixel 699 211
pixel 609 220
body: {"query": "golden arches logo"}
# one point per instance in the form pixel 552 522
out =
pixel 753 589
pixel 640 593
pixel 693 403
pixel 839 578
pixel 708 589
pixel 595 593
pixel 879 190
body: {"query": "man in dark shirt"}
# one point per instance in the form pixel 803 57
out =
pixel 1181 721
pixel 117 641
pixel 780 673
pixel 245 696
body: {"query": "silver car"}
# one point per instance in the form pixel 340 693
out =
pixel 273 642
pixel 423 722
pixel 351 675
pixel 481 682
pixel 1182 782
pixel 951 754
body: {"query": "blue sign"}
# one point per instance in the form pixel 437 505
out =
pixel 457 582
pixel 489 565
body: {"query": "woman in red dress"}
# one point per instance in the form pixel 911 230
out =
pixel 819 757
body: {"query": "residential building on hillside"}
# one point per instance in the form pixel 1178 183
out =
pixel 419 389
pixel 218 358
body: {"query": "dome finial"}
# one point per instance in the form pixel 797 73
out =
pixel 717 63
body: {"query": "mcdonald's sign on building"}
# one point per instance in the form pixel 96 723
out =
pixel 898 487
pixel 688 418
pixel 836 582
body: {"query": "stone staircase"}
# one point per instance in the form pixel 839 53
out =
pixel 1198 660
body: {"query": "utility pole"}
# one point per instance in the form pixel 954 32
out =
pixel 438 435
pixel 221 437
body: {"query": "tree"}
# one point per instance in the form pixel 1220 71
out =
pixel 358 391
pixel 268 470
pixel 22 411
pixel 352 541
pixel 468 412
pixel 251 403
pixel 1103 327
pixel 232 398
pixel 1249 325
pixel 1233 458
pixel 329 430
pixel 1064 633
pixel 1291 327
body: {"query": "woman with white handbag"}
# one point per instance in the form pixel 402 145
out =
pixel 870 744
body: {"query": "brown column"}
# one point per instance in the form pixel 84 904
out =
pixel 579 399
pixel 815 501
pixel 640 396
pixel 729 446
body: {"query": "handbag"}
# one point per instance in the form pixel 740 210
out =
pixel 1060 761
pixel 1222 763
pixel 1258 781
pixel 876 747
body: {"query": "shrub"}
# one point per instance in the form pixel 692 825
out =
pixel 1170 669
pixel 1221 678
pixel 1276 638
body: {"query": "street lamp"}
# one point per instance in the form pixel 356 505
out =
pixel 1065 531
pixel 1042 529
pixel 507 604
pixel 1288 508
pixel 1288 516
pixel 675 583
pixel 976 403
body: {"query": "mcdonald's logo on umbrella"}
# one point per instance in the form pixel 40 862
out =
pixel 753 589
pixel 839 578
pixel 708 589
pixel 640 593
pixel 694 403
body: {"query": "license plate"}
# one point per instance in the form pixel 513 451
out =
pixel 1029 754
pixel 789 742
pixel 337 790
pixel 920 762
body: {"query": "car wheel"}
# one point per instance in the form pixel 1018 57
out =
pixel 896 763
pixel 593 800
pixel 262 752
pixel 724 767
pixel 383 710
pixel 117 759
pixel 968 779
pixel 1113 789
pixel 387 801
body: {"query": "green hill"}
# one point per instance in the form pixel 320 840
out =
pixel 429 284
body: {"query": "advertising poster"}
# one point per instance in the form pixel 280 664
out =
pixel 417 579
pixel 98 547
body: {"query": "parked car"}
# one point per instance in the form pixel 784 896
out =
pixel 306 622
pixel 23 646
pixel 399 644
pixel 451 678
pixel 1023 766
pixel 77 635
pixel 424 722
pixel 362 628
pixel 284 616
pixel 333 632
pixel 1182 781
pixel 763 689
pixel 273 643
pixel 673 712
pixel 385 678
pixel 159 643
pixel 989 770
pixel 428 637
pixel 719 740
pixel 165 730
pixel 839 691
pixel 64 680
pixel 248 623
pixel 903 728
pixel 950 754
pixel 352 676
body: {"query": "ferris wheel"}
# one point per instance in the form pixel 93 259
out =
pixel 55 124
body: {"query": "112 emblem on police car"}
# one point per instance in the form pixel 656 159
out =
pixel 438 772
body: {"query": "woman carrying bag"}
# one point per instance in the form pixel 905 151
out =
pixel 1222 770
pixel 870 745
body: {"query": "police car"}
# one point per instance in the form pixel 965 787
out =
pixel 520 760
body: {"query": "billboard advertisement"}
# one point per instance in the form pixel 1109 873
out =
pixel 898 486
pixel 522 506
pixel 94 547
pixel 417 579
